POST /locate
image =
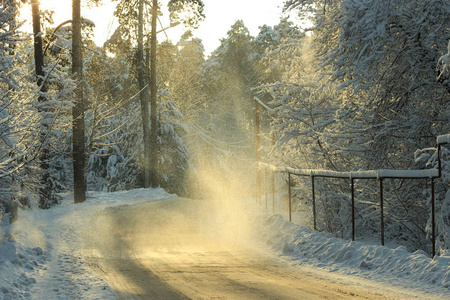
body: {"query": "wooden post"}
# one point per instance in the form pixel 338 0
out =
pixel 314 201
pixel 257 151
pixel 266 188
pixel 381 212
pixel 273 192
pixel 353 208
pixel 273 177
pixel 290 197
pixel 433 218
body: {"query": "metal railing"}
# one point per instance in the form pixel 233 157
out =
pixel 379 175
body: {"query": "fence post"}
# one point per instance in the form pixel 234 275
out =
pixel 257 151
pixel 273 192
pixel 290 196
pixel 266 188
pixel 381 212
pixel 353 208
pixel 273 142
pixel 433 218
pixel 314 202
pixel 439 160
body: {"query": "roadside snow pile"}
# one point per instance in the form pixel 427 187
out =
pixel 379 263
pixel 17 265
pixel 43 257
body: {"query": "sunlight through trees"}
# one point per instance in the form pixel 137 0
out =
pixel 365 86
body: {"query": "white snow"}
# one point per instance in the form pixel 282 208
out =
pixel 444 63
pixel 270 110
pixel 44 259
pixel 443 139
pixel 370 174
pixel 397 267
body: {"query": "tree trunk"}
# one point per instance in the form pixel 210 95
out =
pixel 78 131
pixel 45 188
pixel 143 94
pixel 153 91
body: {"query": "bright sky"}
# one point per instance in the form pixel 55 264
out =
pixel 220 15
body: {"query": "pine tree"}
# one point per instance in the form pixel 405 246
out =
pixel 128 15
pixel 78 128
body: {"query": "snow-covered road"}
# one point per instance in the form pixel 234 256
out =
pixel 147 244
pixel 171 250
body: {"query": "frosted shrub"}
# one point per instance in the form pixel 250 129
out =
pixel 173 163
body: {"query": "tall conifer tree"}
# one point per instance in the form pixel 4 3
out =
pixel 79 152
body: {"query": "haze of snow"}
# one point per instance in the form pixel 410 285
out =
pixel 44 259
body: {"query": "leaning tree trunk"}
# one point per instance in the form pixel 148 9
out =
pixel 78 130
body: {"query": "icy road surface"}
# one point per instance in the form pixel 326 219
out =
pixel 173 250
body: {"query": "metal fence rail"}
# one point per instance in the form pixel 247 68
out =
pixel 380 175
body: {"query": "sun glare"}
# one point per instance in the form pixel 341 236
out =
pixel 55 4
pixel 102 16
pixel 219 18
pixel 62 9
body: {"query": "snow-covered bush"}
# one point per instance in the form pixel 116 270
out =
pixel 113 162
pixel 173 161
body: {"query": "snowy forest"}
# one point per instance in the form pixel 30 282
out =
pixel 365 85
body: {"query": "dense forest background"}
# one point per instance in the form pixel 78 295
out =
pixel 366 86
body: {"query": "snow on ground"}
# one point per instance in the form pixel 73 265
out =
pixel 396 267
pixel 311 251
pixel 43 259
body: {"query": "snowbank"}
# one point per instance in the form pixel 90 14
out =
pixel 18 267
pixel 379 263
pixel 44 258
